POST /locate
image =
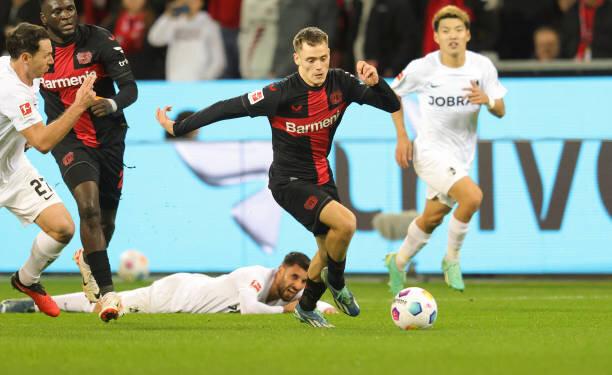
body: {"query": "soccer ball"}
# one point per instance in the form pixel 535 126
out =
pixel 414 308
pixel 133 265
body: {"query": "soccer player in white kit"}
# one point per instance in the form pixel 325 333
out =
pixel 22 190
pixel 452 84
pixel 247 290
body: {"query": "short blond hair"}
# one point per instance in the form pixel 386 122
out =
pixel 311 35
pixel 450 11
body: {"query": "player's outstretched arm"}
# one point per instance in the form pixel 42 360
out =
pixel 44 138
pixel 222 110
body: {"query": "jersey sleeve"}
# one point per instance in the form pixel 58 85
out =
pixel 408 80
pixel 264 102
pixel 20 108
pixel 112 57
pixel 355 89
pixel 490 82
pixel 250 286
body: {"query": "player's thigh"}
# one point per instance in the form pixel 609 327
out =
pixel 304 201
pixel 55 219
pixel 27 194
pixel 77 163
pixel 336 216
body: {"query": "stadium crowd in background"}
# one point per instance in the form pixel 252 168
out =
pixel 247 38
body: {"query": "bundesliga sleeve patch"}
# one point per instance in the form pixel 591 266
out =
pixel 26 109
pixel 255 96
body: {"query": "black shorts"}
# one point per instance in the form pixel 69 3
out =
pixel 104 165
pixel 304 201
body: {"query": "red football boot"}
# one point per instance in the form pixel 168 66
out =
pixel 36 291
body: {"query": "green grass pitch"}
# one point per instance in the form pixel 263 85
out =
pixel 513 327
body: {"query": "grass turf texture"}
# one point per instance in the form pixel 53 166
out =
pixel 544 327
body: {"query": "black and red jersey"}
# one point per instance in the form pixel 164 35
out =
pixel 304 119
pixel 93 50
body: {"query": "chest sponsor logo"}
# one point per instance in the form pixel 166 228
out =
pixel 26 109
pixel 61 83
pixel 255 96
pixel 84 57
pixel 448 101
pixel 312 127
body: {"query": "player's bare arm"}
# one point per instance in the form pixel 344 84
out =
pixel 44 138
pixel 403 148
pixel 476 95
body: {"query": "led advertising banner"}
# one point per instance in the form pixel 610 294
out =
pixel 203 205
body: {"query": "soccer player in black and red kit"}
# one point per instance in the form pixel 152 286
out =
pixel 304 111
pixel 90 157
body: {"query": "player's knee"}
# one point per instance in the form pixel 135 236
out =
pixel 62 230
pixel 348 225
pixel 473 201
pixel 90 213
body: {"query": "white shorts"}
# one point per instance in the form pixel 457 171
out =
pixel 27 194
pixel 440 172
pixel 137 300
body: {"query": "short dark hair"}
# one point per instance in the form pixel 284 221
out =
pixel 450 11
pixel 298 258
pixel 311 35
pixel 25 38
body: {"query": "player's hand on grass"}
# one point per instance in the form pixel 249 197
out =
pixel 85 95
pixel 162 117
pixel 403 152
pixel 290 307
pixel 367 73
pixel 475 94
pixel 102 107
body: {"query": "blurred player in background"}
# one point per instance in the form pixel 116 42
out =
pixel 90 157
pixel 452 84
pixel 247 290
pixel 304 111
pixel 23 191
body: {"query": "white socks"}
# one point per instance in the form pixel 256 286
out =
pixel 414 241
pixel 45 249
pixel 456 233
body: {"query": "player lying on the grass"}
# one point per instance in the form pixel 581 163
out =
pixel 247 290
pixel 452 85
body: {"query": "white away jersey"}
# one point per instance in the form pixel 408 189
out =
pixel 18 111
pixel 449 120
pixel 197 293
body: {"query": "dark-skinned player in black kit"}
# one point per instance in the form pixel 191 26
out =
pixel 90 157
